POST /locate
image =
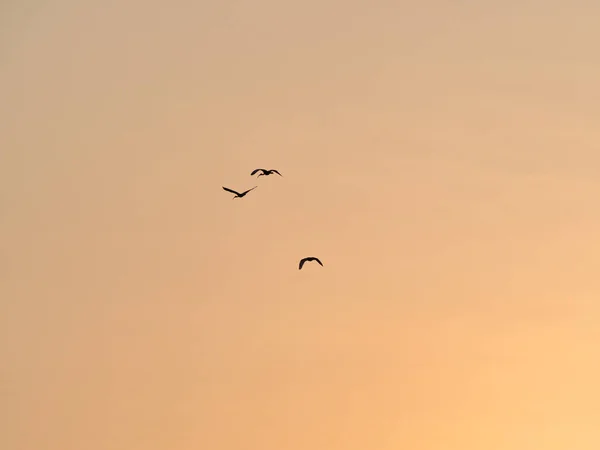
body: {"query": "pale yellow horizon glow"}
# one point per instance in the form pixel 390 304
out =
pixel 441 159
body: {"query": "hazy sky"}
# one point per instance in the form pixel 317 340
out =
pixel 441 158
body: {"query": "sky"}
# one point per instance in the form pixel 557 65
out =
pixel 441 158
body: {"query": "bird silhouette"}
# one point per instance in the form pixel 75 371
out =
pixel 310 258
pixel 238 194
pixel 265 172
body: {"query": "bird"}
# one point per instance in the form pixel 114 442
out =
pixel 309 258
pixel 238 194
pixel 265 172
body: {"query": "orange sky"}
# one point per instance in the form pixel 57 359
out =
pixel 443 161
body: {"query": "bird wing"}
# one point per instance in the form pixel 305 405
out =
pixel 230 190
pixel 275 171
pixel 245 192
pixel 257 170
pixel 319 261
pixel 302 261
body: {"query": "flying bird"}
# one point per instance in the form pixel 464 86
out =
pixel 265 172
pixel 310 258
pixel 238 194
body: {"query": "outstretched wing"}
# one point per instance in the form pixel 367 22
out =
pixel 245 192
pixel 230 190
pixel 319 261
pixel 256 170
pixel 275 171
pixel 302 261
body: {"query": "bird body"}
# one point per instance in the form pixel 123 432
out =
pixel 238 194
pixel 309 258
pixel 265 172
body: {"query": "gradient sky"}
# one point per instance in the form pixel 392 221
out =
pixel 441 158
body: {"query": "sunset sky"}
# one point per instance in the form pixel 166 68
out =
pixel 441 158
